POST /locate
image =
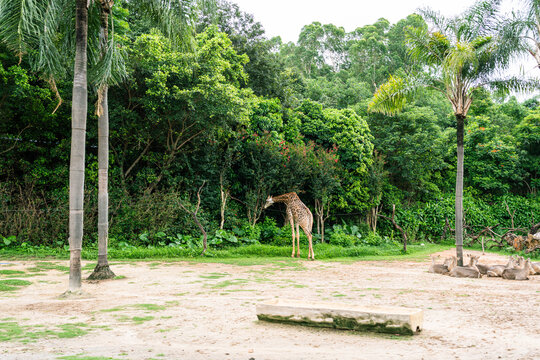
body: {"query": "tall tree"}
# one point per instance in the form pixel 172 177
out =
pixel 33 28
pixel 102 269
pixel 79 110
pixel 460 55
pixel 522 30
pixel 176 20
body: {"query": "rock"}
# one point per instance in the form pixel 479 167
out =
pixel 386 319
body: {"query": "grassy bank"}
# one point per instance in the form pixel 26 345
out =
pixel 415 252
pixel 322 251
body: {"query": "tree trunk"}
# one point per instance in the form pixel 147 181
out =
pixel 320 216
pixel 224 193
pixel 102 270
pixel 79 109
pixel 372 217
pixel 195 218
pixel 399 228
pixel 459 189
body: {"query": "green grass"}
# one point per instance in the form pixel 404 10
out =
pixel 45 266
pixel 149 307
pixel 248 255
pixel 244 255
pixel 11 272
pixel 79 357
pixel 226 283
pixel 137 320
pixel 13 331
pixel 146 307
pixel 13 284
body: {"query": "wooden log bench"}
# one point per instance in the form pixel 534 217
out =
pixel 386 319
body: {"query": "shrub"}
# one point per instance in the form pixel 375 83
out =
pixel 342 239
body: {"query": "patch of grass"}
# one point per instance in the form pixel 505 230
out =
pixel 13 284
pixel 140 319
pixel 118 308
pixel 89 266
pixel 72 330
pixel 226 283
pixel 11 272
pixel 44 266
pixel 5 288
pixel 79 357
pixel 149 307
pixel 248 255
pixel 119 277
pixel 12 331
pixel 146 307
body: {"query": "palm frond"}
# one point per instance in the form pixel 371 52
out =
pixel 461 57
pixel 479 20
pixel 111 67
pixel 426 47
pixel 47 59
pixel 434 18
pixel 174 18
pixel 19 24
pixel 513 84
pixel 392 96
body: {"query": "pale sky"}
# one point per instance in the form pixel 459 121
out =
pixel 286 18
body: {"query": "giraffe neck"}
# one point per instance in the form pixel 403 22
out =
pixel 285 198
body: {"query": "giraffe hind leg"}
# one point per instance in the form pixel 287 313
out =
pixel 311 253
pixel 297 241
pixel 292 231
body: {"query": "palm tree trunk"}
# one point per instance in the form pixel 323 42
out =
pixel 102 270
pixel 459 189
pixel 78 137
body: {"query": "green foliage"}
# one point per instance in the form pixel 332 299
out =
pixel 341 239
pixel 250 117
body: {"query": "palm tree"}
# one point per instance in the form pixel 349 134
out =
pixel 79 111
pixel 459 54
pixel 102 269
pixel 522 30
pixel 34 29
pixel 174 18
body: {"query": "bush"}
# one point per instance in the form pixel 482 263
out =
pixel 268 230
pixel 248 234
pixel 342 239
pixel 371 239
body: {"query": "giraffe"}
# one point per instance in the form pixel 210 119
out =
pixel 297 213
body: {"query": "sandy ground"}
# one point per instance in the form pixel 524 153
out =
pixel 207 311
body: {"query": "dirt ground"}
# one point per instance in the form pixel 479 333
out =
pixel 188 310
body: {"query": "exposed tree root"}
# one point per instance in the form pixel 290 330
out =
pixel 102 272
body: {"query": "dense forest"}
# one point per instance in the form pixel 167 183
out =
pixel 222 121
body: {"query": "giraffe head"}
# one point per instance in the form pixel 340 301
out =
pixel 269 201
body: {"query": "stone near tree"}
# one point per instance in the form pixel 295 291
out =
pixel 386 319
